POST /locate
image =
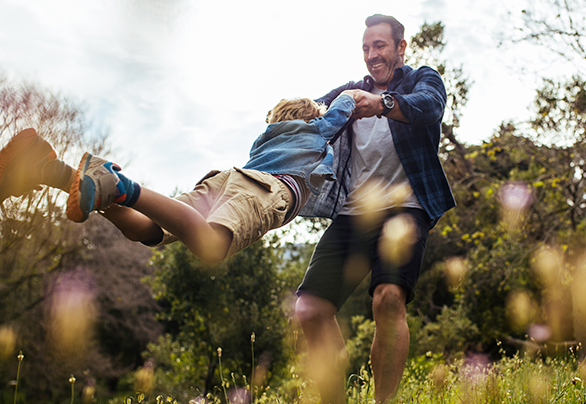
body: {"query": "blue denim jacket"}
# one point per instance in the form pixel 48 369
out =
pixel 421 96
pixel 300 148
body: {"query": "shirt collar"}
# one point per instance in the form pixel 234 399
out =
pixel 398 76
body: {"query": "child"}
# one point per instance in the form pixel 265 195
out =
pixel 226 212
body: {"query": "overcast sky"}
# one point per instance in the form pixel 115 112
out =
pixel 184 85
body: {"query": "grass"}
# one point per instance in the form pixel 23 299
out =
pixel 428 379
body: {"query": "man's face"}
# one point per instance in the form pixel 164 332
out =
pixel 381 54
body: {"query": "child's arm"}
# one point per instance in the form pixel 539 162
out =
pixel 368 104
pixel 337 115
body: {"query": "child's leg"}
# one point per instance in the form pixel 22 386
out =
pixel 21 163
pixel 28 161
pixel 98 183
pixel 207 241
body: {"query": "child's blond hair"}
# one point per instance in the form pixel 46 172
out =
pixel 296 108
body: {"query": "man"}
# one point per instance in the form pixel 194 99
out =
pixel 393 144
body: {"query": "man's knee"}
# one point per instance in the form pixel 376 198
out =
pixel 310 308
pixel 389 301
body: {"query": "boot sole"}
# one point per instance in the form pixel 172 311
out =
pixel 73 210
pixel 19 144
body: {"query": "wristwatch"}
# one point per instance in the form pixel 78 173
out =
pixel 388 103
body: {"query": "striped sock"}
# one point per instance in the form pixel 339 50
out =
pixel 132 191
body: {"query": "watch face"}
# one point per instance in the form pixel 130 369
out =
pixel 388 101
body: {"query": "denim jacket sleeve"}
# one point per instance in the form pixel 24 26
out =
pixel 336 116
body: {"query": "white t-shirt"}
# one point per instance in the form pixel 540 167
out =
pixel 378 180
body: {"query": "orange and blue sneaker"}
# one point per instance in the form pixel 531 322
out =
pixel 21 163
pixel 95 187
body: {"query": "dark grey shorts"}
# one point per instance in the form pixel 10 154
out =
pixel 347 253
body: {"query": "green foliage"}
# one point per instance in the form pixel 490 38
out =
pixel 70 295
pixel 452 332
pixel 221 306
pixel 358 346
pixel 561 111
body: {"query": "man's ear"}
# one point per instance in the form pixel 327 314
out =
pixel 402 47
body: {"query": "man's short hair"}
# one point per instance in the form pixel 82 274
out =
pixel 397 29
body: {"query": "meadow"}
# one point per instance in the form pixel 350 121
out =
pixel 526 377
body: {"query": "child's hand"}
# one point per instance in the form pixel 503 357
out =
pixel 351 93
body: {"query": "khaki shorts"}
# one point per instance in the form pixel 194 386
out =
pixel 247 202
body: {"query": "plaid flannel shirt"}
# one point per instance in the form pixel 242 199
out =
pixel 421 96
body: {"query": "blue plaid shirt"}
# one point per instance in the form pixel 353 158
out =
pixel 421 96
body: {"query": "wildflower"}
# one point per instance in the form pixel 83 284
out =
pixel 7 342
pixel 219 352
pixel 20 356
pixel 88 394
pixel 143 378
pixel 397 239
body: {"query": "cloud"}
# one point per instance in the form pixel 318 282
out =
pixel 184 86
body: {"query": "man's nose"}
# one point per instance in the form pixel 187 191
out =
pixel 372 54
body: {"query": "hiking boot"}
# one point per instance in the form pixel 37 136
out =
pixel 21 163
pixel 96 186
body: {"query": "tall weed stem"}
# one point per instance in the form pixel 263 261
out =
pixel 221 374
pixel 20 358
pixel 72 381
pixel 252 392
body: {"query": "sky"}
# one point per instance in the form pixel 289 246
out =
pixel 183 86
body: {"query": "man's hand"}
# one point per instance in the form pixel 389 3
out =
pixel 367 104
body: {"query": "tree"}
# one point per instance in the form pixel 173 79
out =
pixel 559 26
pixel 520 234
pixel 68 292
pixel 211 307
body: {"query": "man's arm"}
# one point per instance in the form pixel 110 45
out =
pixel 421 102
pixel 368 105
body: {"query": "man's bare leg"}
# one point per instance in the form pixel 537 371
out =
pixel 325 345
pixel 391 340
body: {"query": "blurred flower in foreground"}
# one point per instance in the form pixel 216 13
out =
pixel 455 268
pixel 539 333
pixel 397 239
pixel 521 310
pixel 438 377
pixel 538 388
pixel 239 395
pixel 551 267
pixel 375 200
pixel 7 342
pixel 515 199
pixel 475 370
pixel 144 378
pixel 72 315
pixel 579 298
pixel 88 393
pixel 547 263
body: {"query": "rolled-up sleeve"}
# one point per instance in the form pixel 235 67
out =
pixel 422 97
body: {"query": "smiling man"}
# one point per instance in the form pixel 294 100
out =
pixel 378 227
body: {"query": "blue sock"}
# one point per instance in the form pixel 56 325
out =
pixel 130 192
